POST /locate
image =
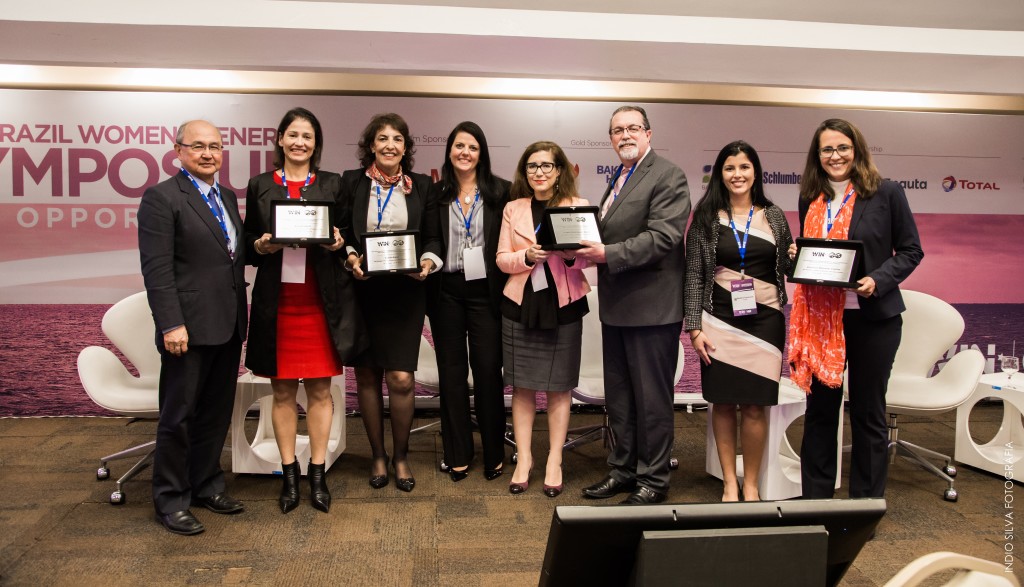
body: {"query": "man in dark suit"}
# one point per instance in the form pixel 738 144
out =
pixel 640 270
pixel 192 265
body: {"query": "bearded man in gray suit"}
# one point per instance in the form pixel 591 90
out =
pixel 640 271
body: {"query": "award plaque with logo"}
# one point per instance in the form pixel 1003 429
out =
pixel 301 222
pixel 563 227
pixel 836 263
pixel 390 252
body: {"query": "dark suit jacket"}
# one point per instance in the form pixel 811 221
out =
pixel 355 202
pixel 892 247
pixel 436 225
pixel 190 277
pixel 343 318
pixel 642 282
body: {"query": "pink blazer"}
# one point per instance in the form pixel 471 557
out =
pixel 517 234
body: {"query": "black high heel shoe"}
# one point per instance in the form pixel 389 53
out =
pixel 492 474
pixel 289 499
pixel 318 492
pixel 458 475
pixel 406 484
pixel 379 481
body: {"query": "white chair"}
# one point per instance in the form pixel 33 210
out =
pixel 129 325
pixel 973 572
pixel 261 455
pixel 930 328
pixel 590 389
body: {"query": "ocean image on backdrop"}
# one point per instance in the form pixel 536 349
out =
pixel 39 353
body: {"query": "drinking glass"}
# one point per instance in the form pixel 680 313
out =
pixel 1009 365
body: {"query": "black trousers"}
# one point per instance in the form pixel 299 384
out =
pixel 197 392
pixel 870 350
pixel 467 334
pixel 639 362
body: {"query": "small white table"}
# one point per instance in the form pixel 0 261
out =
pixel 261 455
pixel 1002 455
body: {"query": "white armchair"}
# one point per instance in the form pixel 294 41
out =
pixel 930 327
pixel 973 572
pixel 129 325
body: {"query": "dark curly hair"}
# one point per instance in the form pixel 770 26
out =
pixel 377 124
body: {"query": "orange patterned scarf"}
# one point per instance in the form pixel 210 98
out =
pixel 817 345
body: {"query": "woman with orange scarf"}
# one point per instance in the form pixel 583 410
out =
pixel 843 196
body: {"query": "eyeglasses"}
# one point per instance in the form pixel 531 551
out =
pixel 633 129
pixel 827 152
pixel 546 168
pixel 197 148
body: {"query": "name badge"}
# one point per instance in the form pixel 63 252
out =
pixel 538 278
pixel 293 265
pixel 473 263
pixel 743 301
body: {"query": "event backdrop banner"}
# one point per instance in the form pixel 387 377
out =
pixel 73 166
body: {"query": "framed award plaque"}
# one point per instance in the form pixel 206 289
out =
pixel 301 222
pixel 563 227
pixel 390 252
pixel 836 263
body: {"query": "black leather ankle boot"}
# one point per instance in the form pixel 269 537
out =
pixel 318 492
pixel 290 490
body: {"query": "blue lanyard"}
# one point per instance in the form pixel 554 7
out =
pixel 746 235
pixel 380 208
pixel 284 182
pixel 618 172
pixel 468 220
pixel 828 223
pixel 213 206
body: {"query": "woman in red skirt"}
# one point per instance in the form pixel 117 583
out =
pixel 302 322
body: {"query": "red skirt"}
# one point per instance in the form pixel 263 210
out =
pixel 304 345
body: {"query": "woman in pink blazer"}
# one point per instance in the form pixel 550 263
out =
pixel 542 309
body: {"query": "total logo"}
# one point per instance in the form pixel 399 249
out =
pixel 950 183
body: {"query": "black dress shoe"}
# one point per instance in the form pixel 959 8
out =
pixel 182 522
pixel 289 499
pixel 219 503
pixel 642 495
pixel 379 481
pixel 608 487
pixel 319 495
pixel 458 475
pixel 492 474
pixel 406 484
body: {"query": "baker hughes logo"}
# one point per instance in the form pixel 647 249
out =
pixel 950 183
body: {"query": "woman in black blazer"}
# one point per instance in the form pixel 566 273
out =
pixel 384 195
pixel 843 196
pixel 303 328
pixel 462 224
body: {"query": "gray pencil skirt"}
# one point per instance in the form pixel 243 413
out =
pixel 541 359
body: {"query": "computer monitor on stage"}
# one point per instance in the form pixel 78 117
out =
pixel 598 545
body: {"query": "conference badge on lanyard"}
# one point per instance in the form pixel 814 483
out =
pixel 744 303
pixel 473 266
